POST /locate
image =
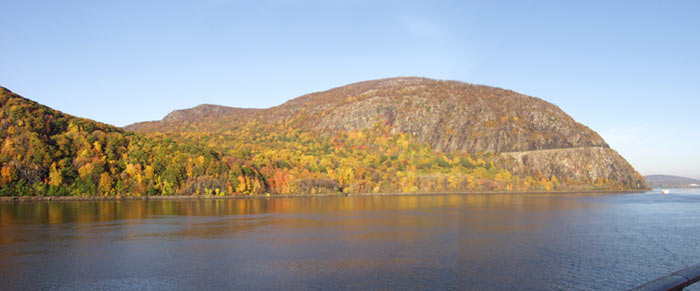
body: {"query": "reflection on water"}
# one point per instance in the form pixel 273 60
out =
pixel 542 241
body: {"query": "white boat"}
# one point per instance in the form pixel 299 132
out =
pixel 665 191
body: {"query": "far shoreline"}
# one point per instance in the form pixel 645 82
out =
pixel 14 199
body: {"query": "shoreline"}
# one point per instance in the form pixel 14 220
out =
pixel 13 199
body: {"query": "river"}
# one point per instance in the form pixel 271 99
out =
pixel 469 241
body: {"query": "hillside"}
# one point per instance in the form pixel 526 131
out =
pixel 667 181
pixel 203 117
pixel 46 152
pixel 383 136
pixel 524 135
pixel 448 115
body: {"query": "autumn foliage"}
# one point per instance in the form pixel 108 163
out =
pixel 46 152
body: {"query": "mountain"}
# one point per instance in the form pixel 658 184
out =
pixel 381 136
pixel 448 115
pixel 666 181
pixel 529 136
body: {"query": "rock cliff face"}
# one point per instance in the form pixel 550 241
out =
pixel 449 115
pixel 591 164
pixel 530 134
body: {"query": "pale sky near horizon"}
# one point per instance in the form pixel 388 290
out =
pixel 629 70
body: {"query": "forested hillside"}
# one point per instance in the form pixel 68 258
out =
pixel 46 152
pixel 393 135
pixel 533 140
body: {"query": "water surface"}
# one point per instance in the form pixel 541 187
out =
pixel 476 241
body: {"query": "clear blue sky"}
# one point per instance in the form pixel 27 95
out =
pixel 628 69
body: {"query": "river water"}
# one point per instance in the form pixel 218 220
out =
pixel 472 241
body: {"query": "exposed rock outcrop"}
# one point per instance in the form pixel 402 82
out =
pixel 591 164
pixel 449 115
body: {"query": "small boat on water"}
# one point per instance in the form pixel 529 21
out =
pixel 665 191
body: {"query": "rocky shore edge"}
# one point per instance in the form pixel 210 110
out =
pixel 13 199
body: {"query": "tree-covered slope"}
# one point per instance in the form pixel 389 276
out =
pixel 524 135
pixel 392 135
pixel 46 152
pixel 205 117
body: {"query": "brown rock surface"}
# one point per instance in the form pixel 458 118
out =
pixel 592 164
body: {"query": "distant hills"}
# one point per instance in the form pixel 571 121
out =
pixel 666 181
pixel 203 117
pixel 390 135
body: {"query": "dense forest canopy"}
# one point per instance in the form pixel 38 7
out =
pixel 299 151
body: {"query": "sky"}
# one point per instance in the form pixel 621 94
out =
pixel 629 70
